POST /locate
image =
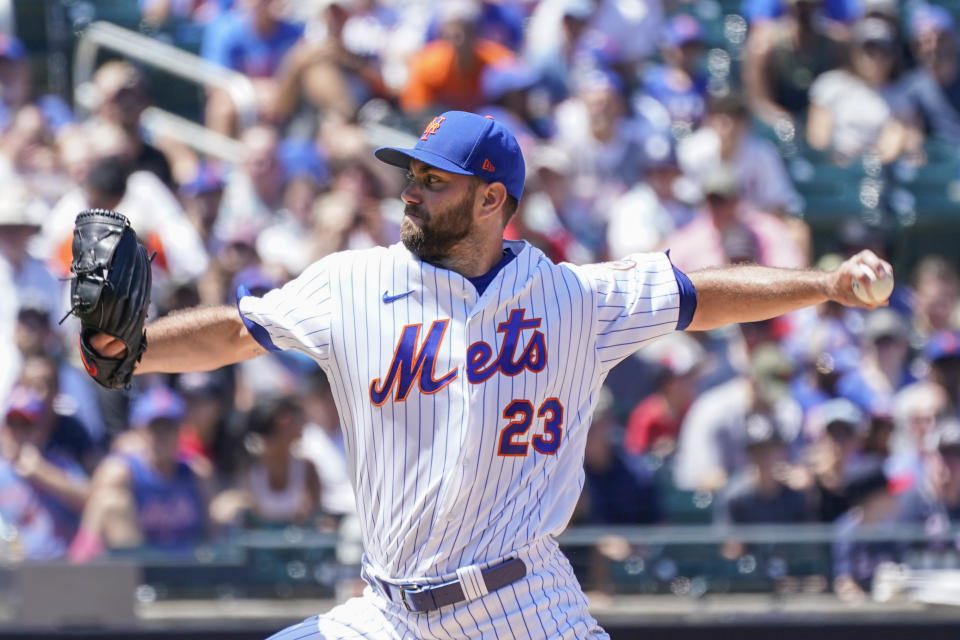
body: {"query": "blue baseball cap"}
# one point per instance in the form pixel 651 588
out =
pixel 11 47
pixel 466 144
pixel 502 78
pixel 207 179
pixel 943 345
pixel 930 17
pixel 300 158
pixel 156 404
pixel 682 29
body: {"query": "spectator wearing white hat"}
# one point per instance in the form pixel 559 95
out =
pixel 20 271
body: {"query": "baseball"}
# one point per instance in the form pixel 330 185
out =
pixel 877 291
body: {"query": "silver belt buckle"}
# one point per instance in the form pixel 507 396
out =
pixel 409 588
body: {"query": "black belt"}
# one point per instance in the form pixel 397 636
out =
pixel 420 598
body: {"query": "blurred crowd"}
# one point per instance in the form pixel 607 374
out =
pixel 637 138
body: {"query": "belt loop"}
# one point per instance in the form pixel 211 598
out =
pixel 472 582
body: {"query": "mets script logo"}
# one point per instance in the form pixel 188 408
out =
pixel 432 127
pixel 414 361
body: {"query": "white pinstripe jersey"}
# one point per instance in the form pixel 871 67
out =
pixel 465 416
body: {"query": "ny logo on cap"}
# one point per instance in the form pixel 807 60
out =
pixel 432 127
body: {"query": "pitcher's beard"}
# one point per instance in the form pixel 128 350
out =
pixel 436 234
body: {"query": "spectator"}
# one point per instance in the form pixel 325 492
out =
pixel 651 210
pixel 208 437
pixel 836 431
pixel 27 151
pixel 680 84
pixel 853 110
pixel 253 195
pixel 934 500
pixel 932 90
pixel 507 91
pixel 66 433
pixel 251 39
pixel 446 73
pixel 916 409
pixel 606 32
pixel 726 138
pixel 625 34
pixel 936 292
pixel 757 494
pixel 556 43
pixel 873 504
pixel 728 230
pixel 606 152
pixel 619 490
pixel 654 424
pixel 548 202
pixel 827 359
pixel 883 368
pixel 153 210
pixel 839 10
pixel 14 77
pixel 782 58
pixel 711 445
pixel 499 21
pixel 201 197
pixel 43 488
pixel 279 488
pixel 143 496
pixel 322 444
pixel 355 213
pixel 336 67
pixel 20 272
pixel 284 245
pixel 122 96
pixel 943 354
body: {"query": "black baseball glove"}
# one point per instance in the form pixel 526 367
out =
pixel 109 292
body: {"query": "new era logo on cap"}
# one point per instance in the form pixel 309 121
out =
pixel 466 144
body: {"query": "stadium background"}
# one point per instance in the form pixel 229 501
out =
pixel 746 481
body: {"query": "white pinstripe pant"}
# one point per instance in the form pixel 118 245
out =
pixel 546 604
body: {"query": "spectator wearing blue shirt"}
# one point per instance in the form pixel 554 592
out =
pixel 883 368
pixel 144 495
pixel 873 504
pixel 249 39
pixel 933 88
pixel 934 497
pixel 839 10
pixel 618 489
pixel 680 84
pixel 42 488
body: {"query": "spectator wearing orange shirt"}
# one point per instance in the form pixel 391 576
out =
pixel 446 72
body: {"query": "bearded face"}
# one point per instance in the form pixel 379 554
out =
pixel 432 235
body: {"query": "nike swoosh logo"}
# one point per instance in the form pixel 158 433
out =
pixel 388 298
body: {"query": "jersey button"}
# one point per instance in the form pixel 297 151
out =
pixel 466 462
